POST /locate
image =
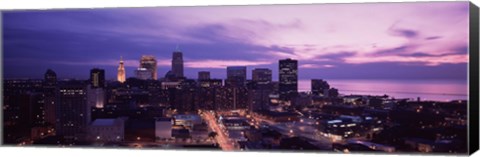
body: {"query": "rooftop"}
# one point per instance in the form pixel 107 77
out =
pixel 103 122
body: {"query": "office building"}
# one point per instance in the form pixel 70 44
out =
pixel 107 130
pixel 50 87
pixel 262 75
pixel 97 78
pixel 95 97
pixel 73 114
pixel 163 128
pixel 143 74
pixel 236 76
pixel 150 64
pixel 177 63
pixel 288 78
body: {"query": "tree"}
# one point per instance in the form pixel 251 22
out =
pixel 212 134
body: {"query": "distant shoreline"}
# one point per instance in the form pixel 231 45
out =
pixel 435 90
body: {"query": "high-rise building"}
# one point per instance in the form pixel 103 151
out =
pixel 95 90
pixel 259 89
pixel 209 94
pixel 23 109
pixel 177 63
pixel 262 75
pixel 203 75
pixel 288 78
pixel 97 78
pixel 50 87
pixel 50 78
pixel 143 74
pixel 319 87
pixel 149 63
pixel 210 83
pixel 73 114
pixel 236 76
pixel 121 72
pixel 235 98
pixel 95 97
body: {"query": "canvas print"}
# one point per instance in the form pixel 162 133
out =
pixel 372 77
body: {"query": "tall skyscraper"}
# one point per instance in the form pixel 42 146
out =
pixel 262 75
pixel 288 78
pixel 177 63
pixel 73 114
pixel 97 78
pixel 236 76
pixel 50 87
pixel 149 63
pixel 203 75
pixel 95 90
pixel 121 72
pixel 143 74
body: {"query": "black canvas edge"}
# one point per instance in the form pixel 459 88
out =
pixel 473 107
pixel 1 78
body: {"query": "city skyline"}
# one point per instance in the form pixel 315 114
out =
pixel 329 49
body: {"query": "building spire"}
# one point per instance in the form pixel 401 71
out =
pixel 121 71
pixel 177 48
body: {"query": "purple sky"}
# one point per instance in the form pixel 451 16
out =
pixel 348 41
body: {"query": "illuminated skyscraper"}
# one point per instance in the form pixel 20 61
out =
pixel 121 71
pixel 97 78
pixel 95 97
pixel 143 74
pixel 177 63
pixel 236 76
pixel 149 63
pixel 95 90
pixel 73 114
pixel 262 75
pixel 288 78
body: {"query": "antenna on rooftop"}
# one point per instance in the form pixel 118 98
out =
pixel 177 48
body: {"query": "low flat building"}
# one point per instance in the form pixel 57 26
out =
pixel 187 120
pixel 163 128
pixel 107 130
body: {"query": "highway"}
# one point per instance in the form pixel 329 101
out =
pixel 222 139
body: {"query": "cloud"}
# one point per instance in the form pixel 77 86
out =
pixel 426 60
pixel 337 56
pixel 316 66
pixel 405 33
pixel 393 51
pixel 418 54
pixel 126 63
pixel 422 54
pixel 402 32
pixel 433 38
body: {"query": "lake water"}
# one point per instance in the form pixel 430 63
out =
pixel 438 90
